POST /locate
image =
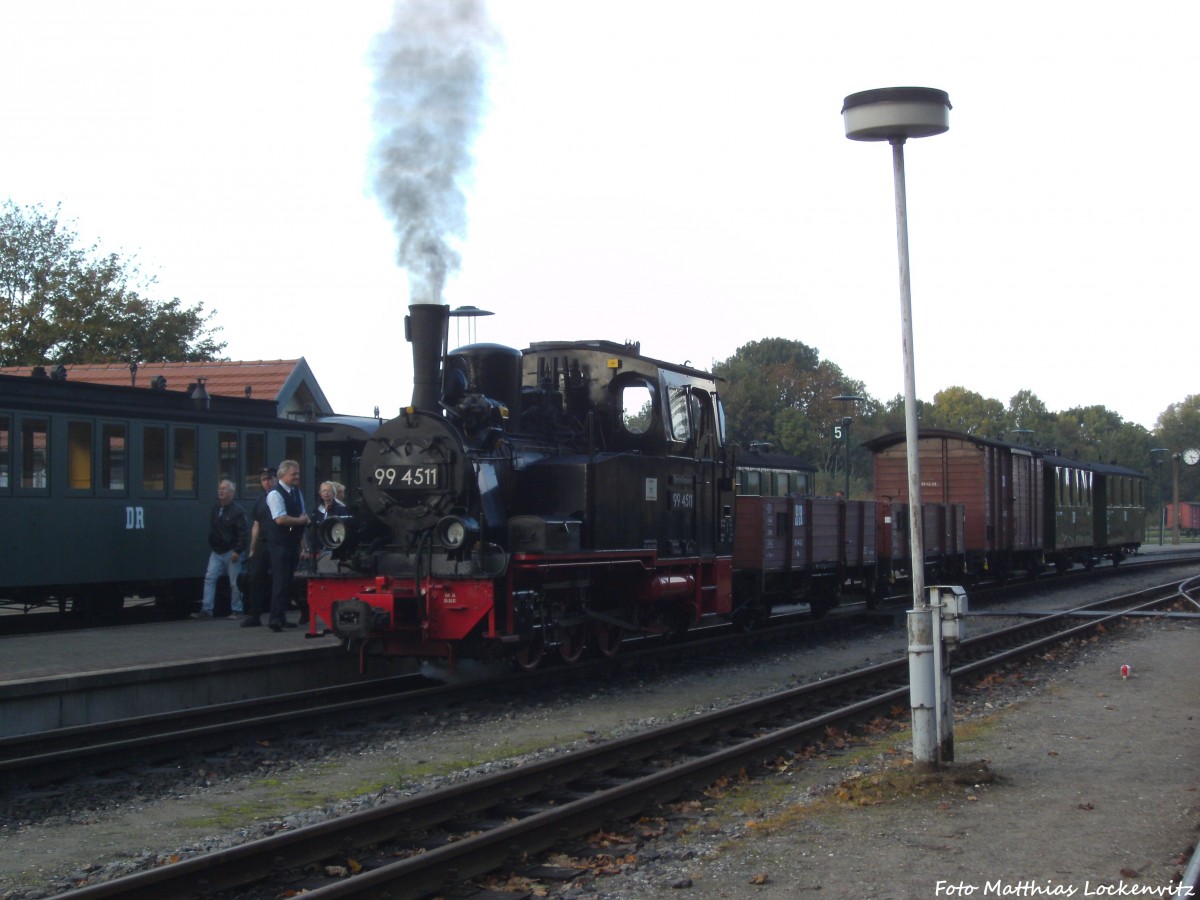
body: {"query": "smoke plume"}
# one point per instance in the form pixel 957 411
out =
pixel 429 97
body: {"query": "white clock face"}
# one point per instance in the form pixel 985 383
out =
pixel 1191 456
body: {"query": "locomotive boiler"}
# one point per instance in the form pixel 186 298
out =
pixel 534 501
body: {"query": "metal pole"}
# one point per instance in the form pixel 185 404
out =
pixel 846 427
pixel 921 650
pixel 1175 457
pixel 916 539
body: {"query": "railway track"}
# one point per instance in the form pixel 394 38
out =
pixel 46 757
pixel 419 845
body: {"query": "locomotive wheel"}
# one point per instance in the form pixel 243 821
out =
pixel 530 656
pixel 571 642
pixel 607 638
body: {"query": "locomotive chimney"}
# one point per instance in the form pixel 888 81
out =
pixel 425 327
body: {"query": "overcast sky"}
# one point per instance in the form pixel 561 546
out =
pixel 669 171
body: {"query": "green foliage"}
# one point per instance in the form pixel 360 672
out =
pixel 759 376
pixel 60 303
pixel 958 409
pixel 780 391
pixel 1178 429
pixel 1027 415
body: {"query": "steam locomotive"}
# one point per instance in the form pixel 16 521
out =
pixel 549 499
pixel 561 497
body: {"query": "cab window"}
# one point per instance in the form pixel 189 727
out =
pixel 637 408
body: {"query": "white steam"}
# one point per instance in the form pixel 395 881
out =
pixel 429 98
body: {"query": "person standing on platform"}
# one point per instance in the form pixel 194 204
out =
pixel 258 561
pixel 328 506
pixel 284 538
pixel 227 538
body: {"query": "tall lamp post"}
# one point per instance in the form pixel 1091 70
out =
pixel 844 429
pixel 1162 493
pixel 894 115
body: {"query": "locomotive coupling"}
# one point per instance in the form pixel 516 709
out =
pixel 355 619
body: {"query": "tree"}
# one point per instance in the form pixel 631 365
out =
pixel 780 391
pixel 1028 420
pixel 758 379
pixel 958 409
pixel 60 303
pixel 1178 429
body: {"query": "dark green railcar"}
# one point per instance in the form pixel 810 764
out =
pixel 107 490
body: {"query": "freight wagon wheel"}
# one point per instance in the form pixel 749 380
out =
pixel 571 642
pixel 607 638
pixel 530 656
pixel 872 590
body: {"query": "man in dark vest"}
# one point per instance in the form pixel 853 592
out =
pixel 284 537
pixel 257 570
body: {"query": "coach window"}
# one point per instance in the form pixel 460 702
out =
pixel 227 456
pixel 112 457
pixel 79 456
pixel 154 458
pixel 5 453
pixel 751 482
pixel 801 485
pixel 35 453
pixel 183 458
pixel 256 460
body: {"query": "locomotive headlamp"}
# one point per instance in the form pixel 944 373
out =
pixel 333 532
pixel 457 532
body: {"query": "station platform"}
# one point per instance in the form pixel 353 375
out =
pixel 64 678
pixel 84 650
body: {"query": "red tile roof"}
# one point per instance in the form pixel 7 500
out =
pixel 264 378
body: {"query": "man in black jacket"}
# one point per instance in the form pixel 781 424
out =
pixel 258 563
pixel 227 538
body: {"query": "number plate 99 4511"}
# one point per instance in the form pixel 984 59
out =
pixel 410 477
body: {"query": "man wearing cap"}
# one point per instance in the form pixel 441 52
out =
pixel 258 563
pixel 284 536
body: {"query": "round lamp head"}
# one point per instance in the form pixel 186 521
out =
pixel 898 113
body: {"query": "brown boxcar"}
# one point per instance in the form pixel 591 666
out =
pixel 998 487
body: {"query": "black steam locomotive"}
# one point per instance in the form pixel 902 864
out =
pixel 553 498
pixel 563 496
